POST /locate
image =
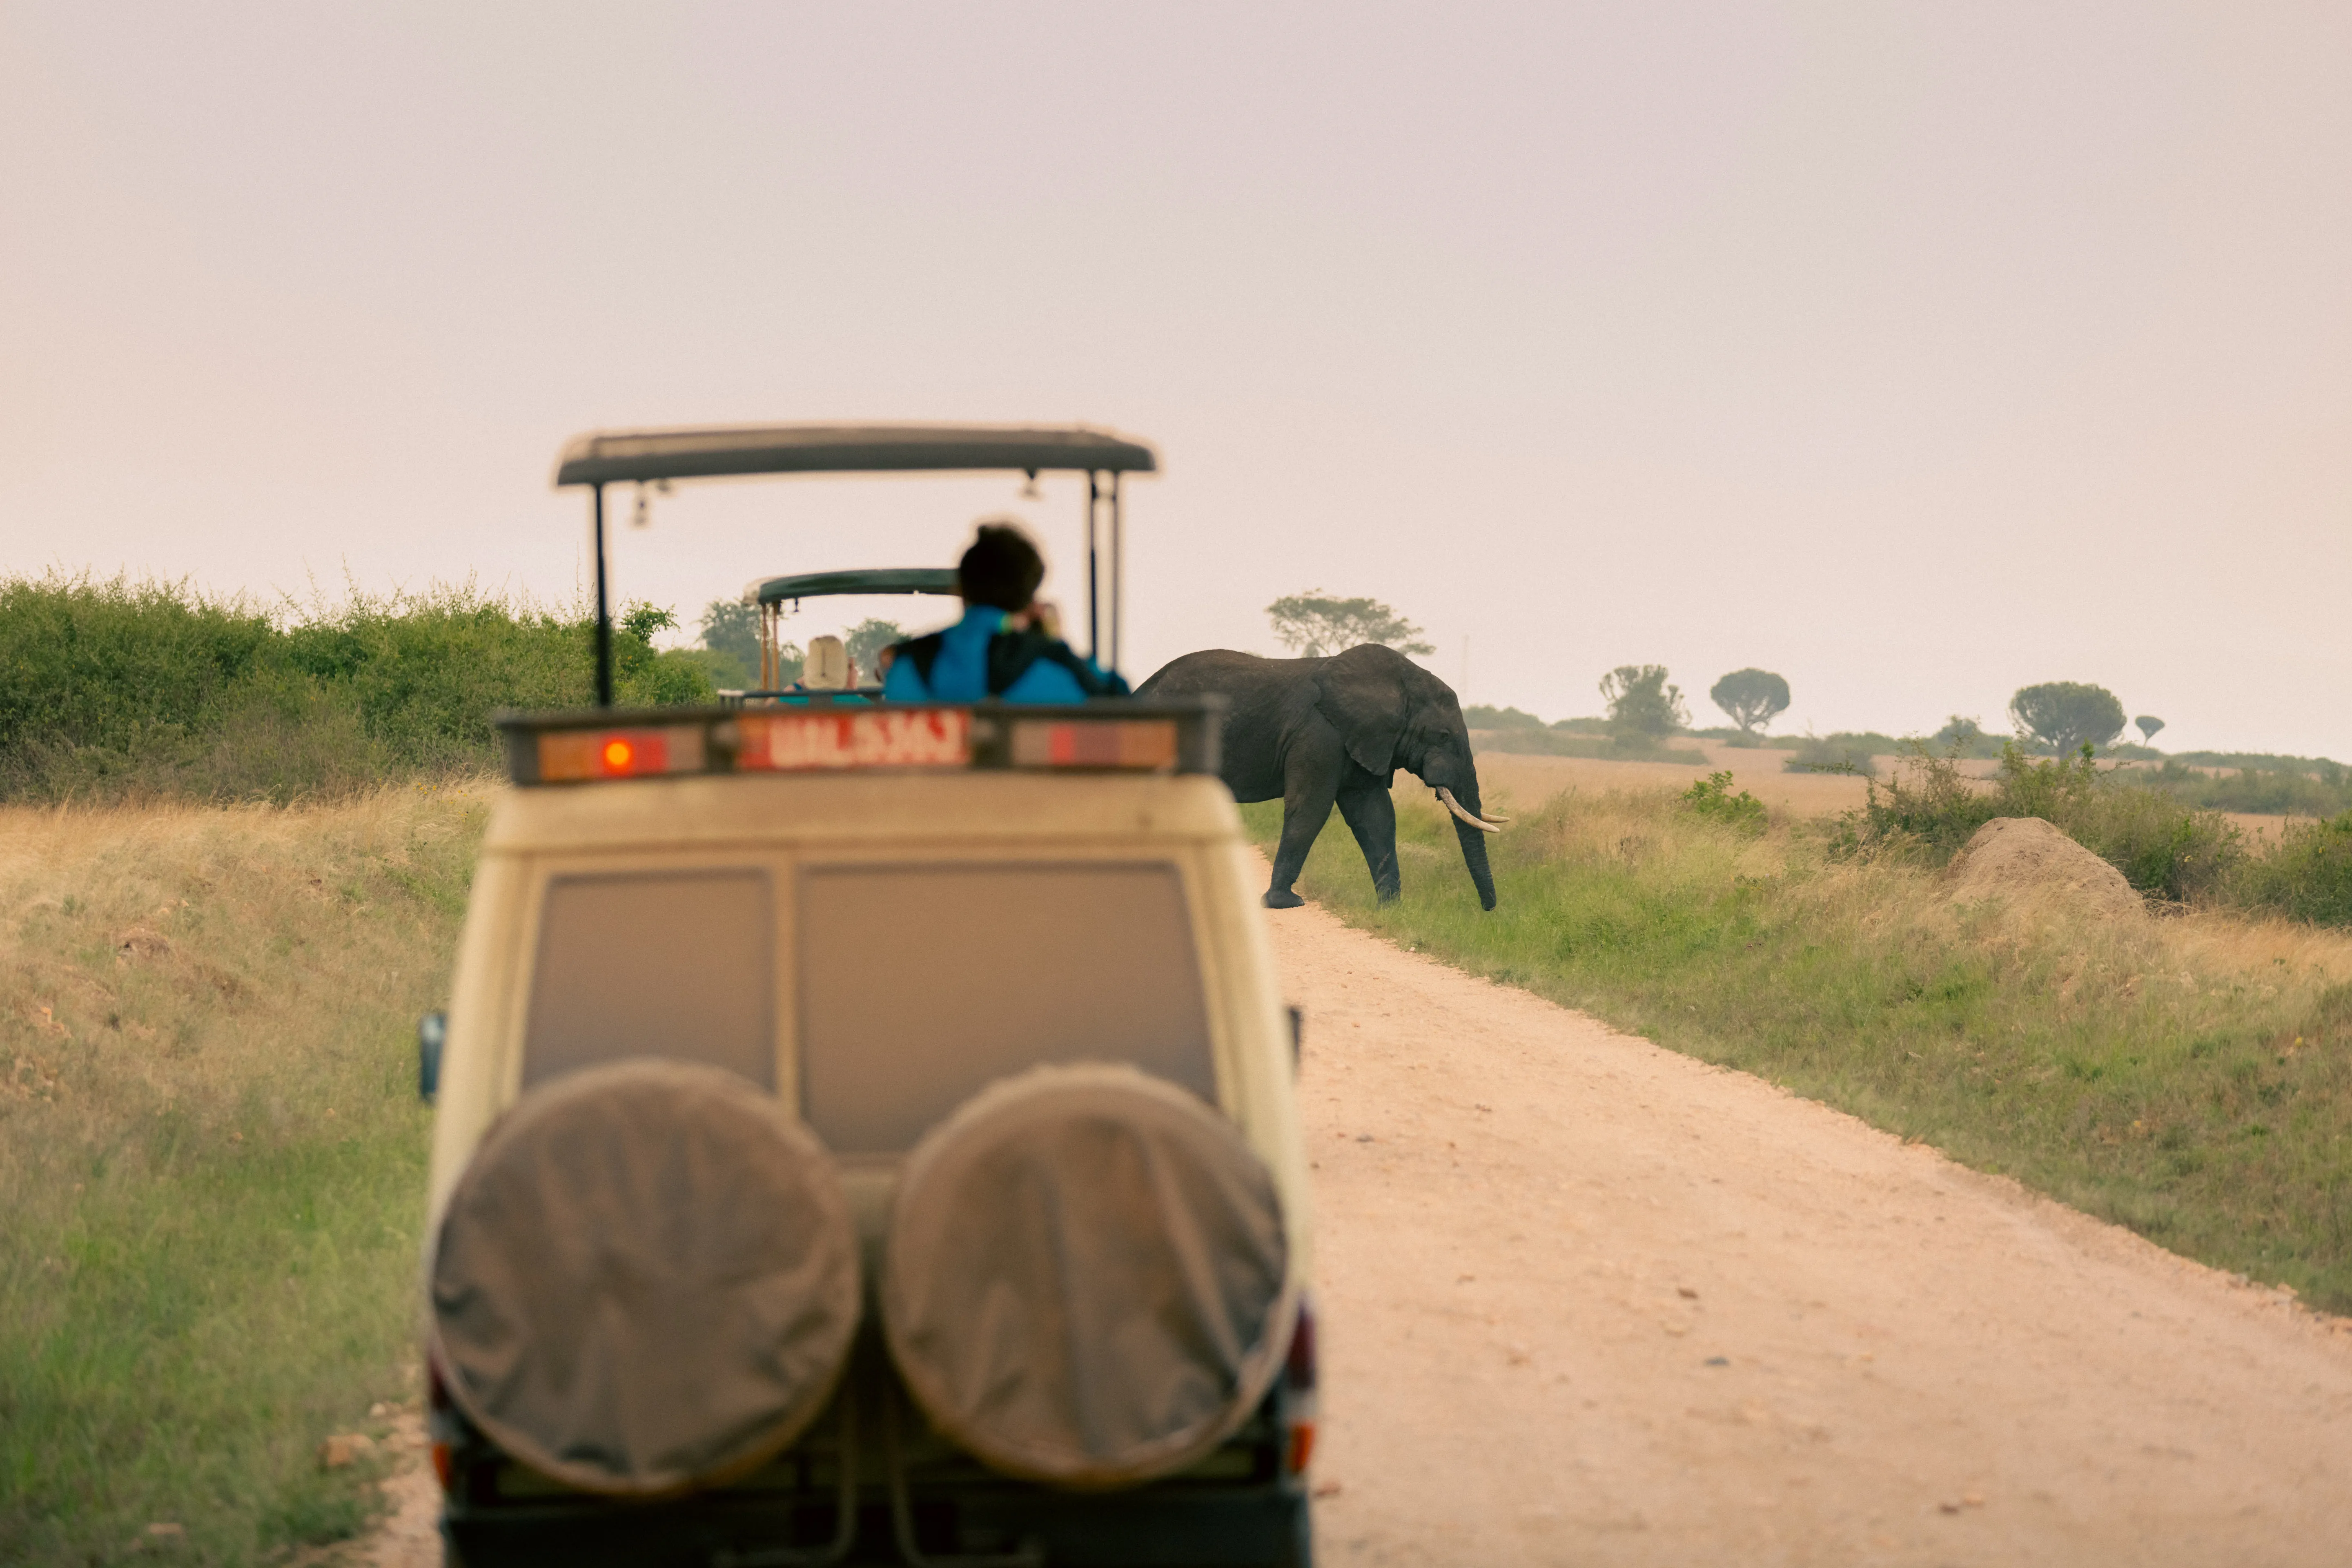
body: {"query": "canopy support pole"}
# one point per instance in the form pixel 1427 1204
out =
pixel 1118 565
pixel 1094 590
pixel 603 606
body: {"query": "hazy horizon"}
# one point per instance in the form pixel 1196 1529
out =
pixel 1916 354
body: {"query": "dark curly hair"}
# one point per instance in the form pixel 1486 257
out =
pixel 1001 569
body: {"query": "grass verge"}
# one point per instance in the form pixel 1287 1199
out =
pixel 2190 1077
pixel 211 1157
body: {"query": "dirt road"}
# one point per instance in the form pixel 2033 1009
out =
pixel 1589 1302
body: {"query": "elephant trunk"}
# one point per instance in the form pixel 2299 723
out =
pixel 1471 825
pixel 1474 855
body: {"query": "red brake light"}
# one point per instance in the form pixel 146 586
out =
pixel 1298 1391
pixel 566 755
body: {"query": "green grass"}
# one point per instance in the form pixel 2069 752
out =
pixel 212 1162
pixel 2190 1077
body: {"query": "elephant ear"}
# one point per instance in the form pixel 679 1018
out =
pixel 1370 714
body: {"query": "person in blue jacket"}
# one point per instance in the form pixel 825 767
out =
pixel 998 649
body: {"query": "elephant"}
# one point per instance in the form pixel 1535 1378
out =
pixel 1320 732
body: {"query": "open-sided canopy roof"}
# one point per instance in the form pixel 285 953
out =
pixel 824 585
pixel 620 456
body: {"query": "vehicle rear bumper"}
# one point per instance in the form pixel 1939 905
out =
pixel 1253 1527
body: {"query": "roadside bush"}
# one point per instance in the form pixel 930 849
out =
pixel 2308 875
pixel 1929 809
pixel 1711 797
pixel 2160 845
pixel 119 690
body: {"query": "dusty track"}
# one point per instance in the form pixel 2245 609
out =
pixel 1586 1301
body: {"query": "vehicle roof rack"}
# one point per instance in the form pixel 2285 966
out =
pixel 609 456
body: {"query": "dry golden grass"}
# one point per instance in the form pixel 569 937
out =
pixel 211 1157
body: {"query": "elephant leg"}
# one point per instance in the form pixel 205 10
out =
pixel 1372 817
pixel 1308 794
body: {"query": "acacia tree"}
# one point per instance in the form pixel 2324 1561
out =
pixel 1753 698
pixel 1314 624
pixel 1641 703
pixel 2067 715
pixel 2148 725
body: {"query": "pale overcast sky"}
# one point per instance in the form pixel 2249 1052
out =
pixel 1915 352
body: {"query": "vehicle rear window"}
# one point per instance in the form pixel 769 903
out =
pixel 680 965
pixel 920 985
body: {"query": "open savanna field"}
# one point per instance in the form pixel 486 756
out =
pixel 211 1155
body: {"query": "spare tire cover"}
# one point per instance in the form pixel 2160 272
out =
pixel 645 1280
pixel 1086 1279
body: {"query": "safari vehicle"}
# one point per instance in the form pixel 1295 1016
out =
pixel 772 598
pixel 866 1133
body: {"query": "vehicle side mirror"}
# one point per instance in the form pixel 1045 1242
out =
pixel 431 1030
pixel 1298 1035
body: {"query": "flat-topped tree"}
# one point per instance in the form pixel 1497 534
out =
pixel 2067 715
pixel 1753 698
pixel 2148 724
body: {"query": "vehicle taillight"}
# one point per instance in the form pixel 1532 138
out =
pixel 1298 1392
pixel 439 1415
pixel 1142 745
pixel 641 751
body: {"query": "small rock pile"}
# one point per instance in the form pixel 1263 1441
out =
pixel 2022 859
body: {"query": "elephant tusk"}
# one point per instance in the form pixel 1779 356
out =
pixel 1454 805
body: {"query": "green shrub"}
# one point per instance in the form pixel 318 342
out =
pixel 2307 876
pixel 1484 716
pixel 2160 845
pixel 1929 809
pixel 1839 754
pixel 1711 797
pixel 118 689
pixel 1558 742
pixel 2325 789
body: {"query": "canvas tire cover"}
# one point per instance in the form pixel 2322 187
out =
pixel 1086 1279
pixel 647 1279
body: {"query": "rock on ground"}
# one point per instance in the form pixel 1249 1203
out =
pixel 2024 857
